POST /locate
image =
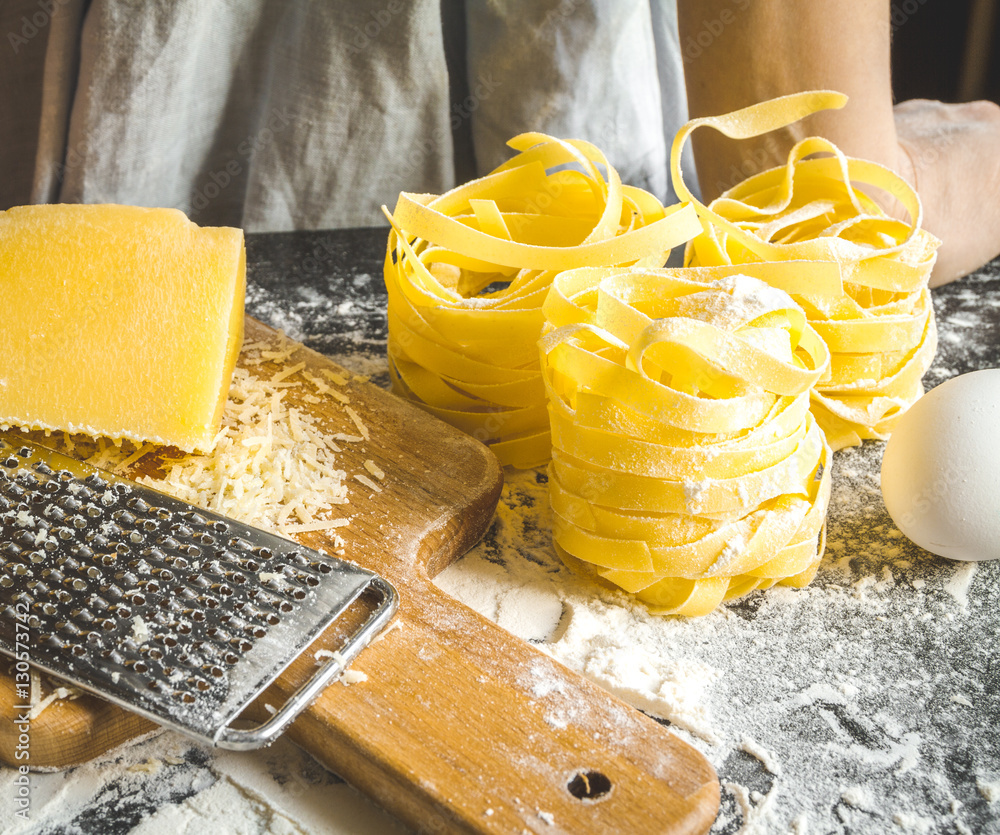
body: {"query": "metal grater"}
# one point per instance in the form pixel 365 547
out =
pixel 170 611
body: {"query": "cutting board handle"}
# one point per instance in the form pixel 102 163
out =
pixel 461 728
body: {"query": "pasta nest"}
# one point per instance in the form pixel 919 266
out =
pixel 686 468
pixel 467 273
pixel 880 329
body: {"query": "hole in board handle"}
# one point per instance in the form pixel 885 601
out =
pixel 589 785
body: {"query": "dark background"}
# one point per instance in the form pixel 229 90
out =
pixel 946 49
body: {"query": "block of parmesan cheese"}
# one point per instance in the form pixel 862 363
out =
pixel 118 321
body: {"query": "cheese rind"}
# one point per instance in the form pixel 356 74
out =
pixel 118 321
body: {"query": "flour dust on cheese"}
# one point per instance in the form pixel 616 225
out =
pixel 467 272
pixel 686 466
pixel 119 321
pixel 820 209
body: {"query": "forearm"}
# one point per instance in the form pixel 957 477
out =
pixel 739 52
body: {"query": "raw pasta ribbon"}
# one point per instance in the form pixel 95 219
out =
pixel 880 330
pixel 467 272
pixel 686 465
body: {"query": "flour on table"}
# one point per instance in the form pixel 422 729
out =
pixel 842 663
pixel 863 704
pixel 193 789
pixel 767 759
pixel 989 788
pixel 958 585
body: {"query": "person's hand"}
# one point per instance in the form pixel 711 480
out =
pixel 951 154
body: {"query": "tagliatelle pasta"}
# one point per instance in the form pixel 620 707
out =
pixel 690 413
pixel 686 465
pixel 467 272
pixel 880 330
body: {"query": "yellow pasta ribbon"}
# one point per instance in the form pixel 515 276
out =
pixel 467 273
pixel 880 329
pixel 687 468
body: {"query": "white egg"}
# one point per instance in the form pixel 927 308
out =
pixel 941 469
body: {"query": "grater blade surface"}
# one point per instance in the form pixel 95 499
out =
pixel 171 611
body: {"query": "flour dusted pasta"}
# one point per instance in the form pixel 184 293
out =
pixel 467 273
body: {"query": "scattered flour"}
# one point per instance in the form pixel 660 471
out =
pixel 863 704
pixel 814 705
pixel 913 823
pixel 597 643
pixel 989 788
pixel 860 798
pixel 193 790
pixel 767 759
pixel 958 585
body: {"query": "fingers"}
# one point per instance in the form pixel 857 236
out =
pixel 914 106
pixel 915 112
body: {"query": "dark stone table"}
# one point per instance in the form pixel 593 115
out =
pixel 867 703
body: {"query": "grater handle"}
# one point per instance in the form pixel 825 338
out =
pixel 246 739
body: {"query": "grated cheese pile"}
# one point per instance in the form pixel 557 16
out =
pixel 272 466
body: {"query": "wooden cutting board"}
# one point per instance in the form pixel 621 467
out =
pixel 459 726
